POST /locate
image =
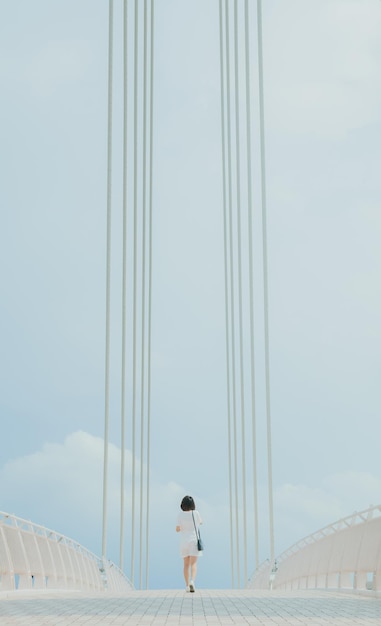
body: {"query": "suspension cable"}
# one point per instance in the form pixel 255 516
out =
pixel 251 281
pixel 108 281
pixel 134 322
pixel 232 316
pixel 124 293
pixel 233 275
pixel 227 338
pixel 140 260
pixel 239 269
pixel 149 303
pixel 144 208
pixel 265 275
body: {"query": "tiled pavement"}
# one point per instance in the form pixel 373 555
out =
pixel 203 608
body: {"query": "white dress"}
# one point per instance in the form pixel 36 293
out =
pixel 188 538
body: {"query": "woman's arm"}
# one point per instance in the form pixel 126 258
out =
pixel 178 529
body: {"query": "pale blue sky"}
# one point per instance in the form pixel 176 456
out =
pixel 323 122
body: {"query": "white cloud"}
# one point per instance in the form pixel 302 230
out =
pixel 355 490
pixel 307 502
pixel 58 484
pixel 302 509
pixel 60 487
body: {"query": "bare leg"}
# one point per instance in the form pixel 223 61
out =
pixel 186 569
pixel 193 565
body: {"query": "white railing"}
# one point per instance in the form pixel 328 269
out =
pixel 344 555
pixel 34 557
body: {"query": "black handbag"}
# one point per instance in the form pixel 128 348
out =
pixel 200 545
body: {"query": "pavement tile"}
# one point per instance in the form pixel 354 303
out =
pixel 204 608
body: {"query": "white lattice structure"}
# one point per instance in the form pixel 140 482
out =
pixel 343 555
pixel 34 557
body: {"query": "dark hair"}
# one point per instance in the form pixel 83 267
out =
pixel 187 504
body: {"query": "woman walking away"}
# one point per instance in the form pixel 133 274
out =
pixel 188 522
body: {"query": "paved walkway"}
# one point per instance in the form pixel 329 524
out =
pixel 203 608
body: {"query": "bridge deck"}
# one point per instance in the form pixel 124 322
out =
pixel 203 608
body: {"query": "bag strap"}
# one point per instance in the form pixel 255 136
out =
pixel 197 531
